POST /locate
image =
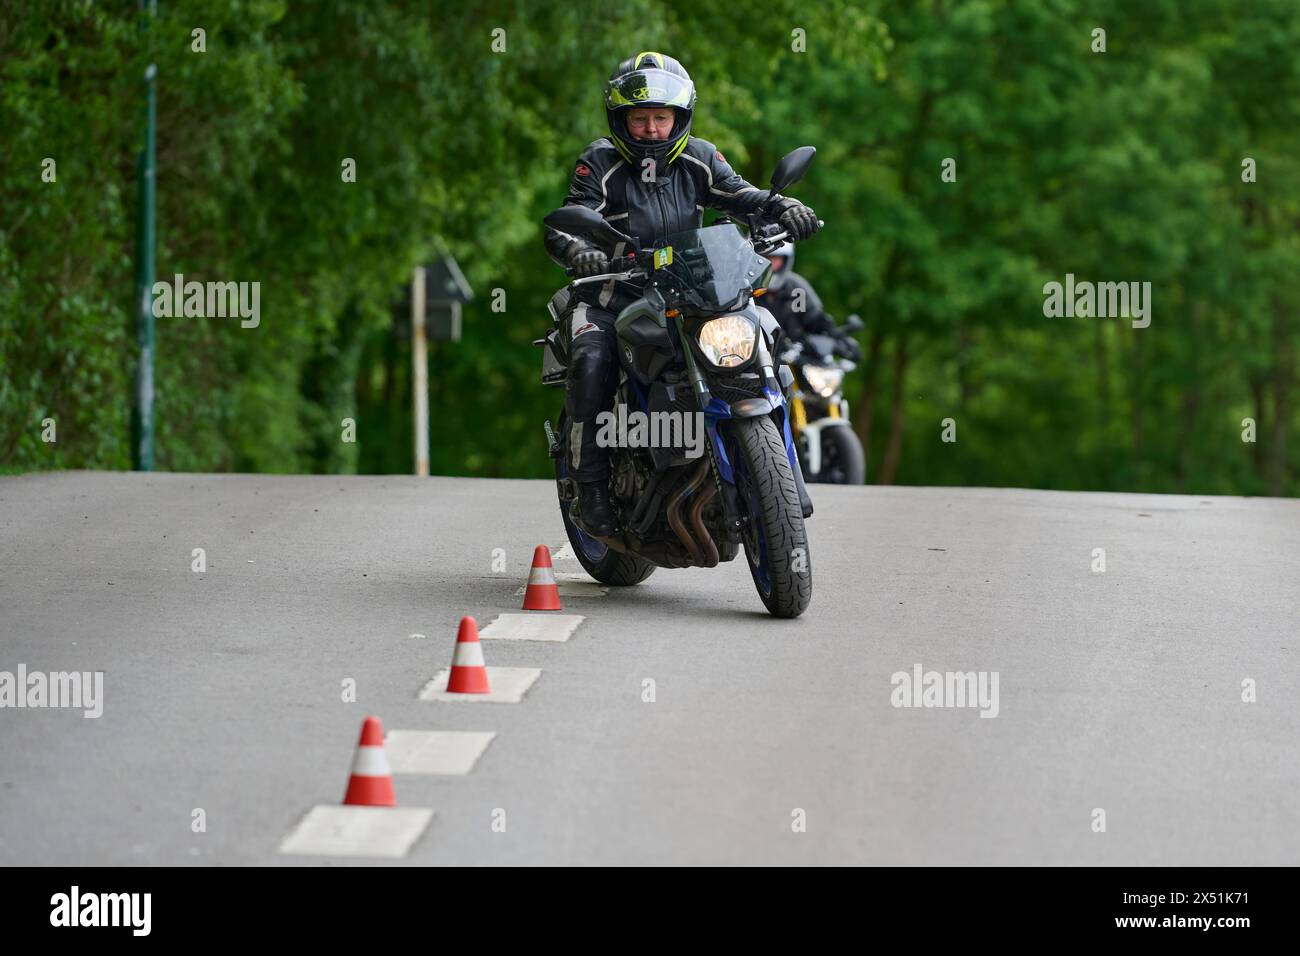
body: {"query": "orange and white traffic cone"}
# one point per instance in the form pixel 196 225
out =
pixel 542 593
pixel 468 672
pixel 371 783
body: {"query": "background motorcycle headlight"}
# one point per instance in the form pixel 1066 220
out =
pixel 824 381
pixel 728 341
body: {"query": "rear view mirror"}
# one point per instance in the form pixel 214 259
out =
pixel 791 169
pixel 574 218
pixel 853 323
pixel 582 220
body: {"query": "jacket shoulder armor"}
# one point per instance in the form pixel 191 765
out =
pixel 599 155
pixel 699 148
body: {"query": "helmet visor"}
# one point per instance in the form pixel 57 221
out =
pixel 649 87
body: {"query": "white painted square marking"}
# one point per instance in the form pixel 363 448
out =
pixel 509 684
pixel 436 751
pixel 357 831
pixel 564 553
pixel 531 626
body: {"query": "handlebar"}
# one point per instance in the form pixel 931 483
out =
pixel 780 237
pixel 630 259
pixel 760 243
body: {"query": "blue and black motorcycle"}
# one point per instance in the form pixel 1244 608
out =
pixel 696 343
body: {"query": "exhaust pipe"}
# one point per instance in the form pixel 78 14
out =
pixel 697 524
pixel 675 516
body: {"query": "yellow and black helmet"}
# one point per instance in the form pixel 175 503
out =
pixel 649 79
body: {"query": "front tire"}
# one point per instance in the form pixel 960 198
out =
pixel 776 541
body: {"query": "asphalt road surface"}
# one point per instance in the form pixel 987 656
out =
pixel 767 741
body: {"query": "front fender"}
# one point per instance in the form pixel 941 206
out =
pixel 751 408
pixel 771 402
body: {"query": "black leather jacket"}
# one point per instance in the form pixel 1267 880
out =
pixel 700 177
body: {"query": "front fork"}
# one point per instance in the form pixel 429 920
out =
pixel 795 407
pixel 805 502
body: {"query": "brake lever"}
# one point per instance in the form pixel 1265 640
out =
pixel 769 242
pixel 632 274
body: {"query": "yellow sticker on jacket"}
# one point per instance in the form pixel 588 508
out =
pixel 663 257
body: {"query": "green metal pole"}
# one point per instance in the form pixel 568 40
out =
pixel 142 404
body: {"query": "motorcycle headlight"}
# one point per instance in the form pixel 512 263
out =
pixel 824 381
pixel 728 341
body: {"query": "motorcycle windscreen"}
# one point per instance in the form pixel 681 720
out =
pixel 710 268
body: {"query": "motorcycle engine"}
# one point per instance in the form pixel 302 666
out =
pixel 630 474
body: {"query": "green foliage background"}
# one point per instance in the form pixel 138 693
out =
pixel 1115 166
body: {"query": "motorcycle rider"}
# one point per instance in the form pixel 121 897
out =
pixel 649 179
pixel 798 308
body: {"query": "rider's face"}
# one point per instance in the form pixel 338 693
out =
pixel 654 123
pixel 778 262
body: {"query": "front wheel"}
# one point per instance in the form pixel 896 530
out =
pixel 776 541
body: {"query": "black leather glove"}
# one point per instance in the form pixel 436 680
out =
pixel 799 221
pixel 589 262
